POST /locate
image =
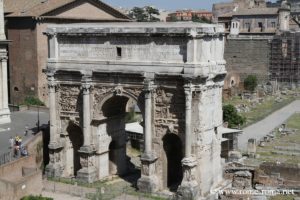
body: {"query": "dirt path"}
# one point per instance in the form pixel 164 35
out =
pixel 265 126
pixel 60 196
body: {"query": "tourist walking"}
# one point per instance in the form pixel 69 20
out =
pixel 11 142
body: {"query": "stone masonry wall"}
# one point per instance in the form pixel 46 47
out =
pixel 247 56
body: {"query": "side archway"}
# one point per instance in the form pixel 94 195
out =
pixel 173 152
pixel 74 142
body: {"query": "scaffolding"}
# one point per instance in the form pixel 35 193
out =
pixel 284 62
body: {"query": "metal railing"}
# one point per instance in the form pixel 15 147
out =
pixel 6 158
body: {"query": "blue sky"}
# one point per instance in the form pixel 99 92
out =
pixel 166 4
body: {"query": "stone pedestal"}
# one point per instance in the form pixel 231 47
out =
pixel 148 183
pixel 189 188
pixel 88 172
pixel 54 169
pixel 5 116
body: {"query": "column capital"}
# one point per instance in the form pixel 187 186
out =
pixel 51 82
pixel 148 86
pixel 86 86
pixel 3 58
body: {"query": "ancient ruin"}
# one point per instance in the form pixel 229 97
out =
pixel 4 110
pixel 175 73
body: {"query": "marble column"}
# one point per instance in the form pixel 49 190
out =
pixel 4 109
pixel 148 120
pixel 87 153
pixel 86 115
pixel 188 190
pixel 54 143
pixel 148 181
pixel 53 169
pixel 2 22
pixel 188 120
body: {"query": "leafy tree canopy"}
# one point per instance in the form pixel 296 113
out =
pixel 202 19
pixel 145 14
pixel 250 83
pixel 231 116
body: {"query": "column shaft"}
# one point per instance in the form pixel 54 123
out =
pixel 4 84
pixel 148 123
pixel 52 106
pixel 1 87
pixel 86 115
pixel 188 119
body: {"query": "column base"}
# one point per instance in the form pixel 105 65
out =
pixel 148 183
pixel 86 150
pixel 188 191
pixel 55 145
pixel 53 170
pixel 5 116
pixel 189 188
pixel 87 175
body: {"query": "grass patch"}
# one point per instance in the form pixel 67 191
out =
pixel 282 197
pixel 288 140
pixel 31 197
pixel 264 109
pixel 294 121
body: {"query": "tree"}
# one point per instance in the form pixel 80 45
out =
pixel 150 11
pixel 173 18
pixel 138 14
pixel 145 14
pixel 250 83
pixel 231 116
pixel 196 18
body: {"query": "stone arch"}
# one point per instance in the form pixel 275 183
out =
pixel 75 137
pixel 173 149
pixel 138 98
pixel 113 109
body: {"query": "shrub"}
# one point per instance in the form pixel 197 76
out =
pixel 231 116
pixel 31 100
pixel 31 197
pixel 250 83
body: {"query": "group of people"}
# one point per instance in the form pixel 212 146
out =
pixel 18 148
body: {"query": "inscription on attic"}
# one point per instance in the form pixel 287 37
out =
pixel 129 49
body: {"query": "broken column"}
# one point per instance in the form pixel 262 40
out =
pixel 251 148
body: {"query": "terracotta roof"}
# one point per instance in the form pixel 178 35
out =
pixel 36 8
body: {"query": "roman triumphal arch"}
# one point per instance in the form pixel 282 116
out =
pixel 173 71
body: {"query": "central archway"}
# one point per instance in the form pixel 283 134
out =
pixel 173 150
pixel 115 111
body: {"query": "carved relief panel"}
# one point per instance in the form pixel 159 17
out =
pixel 69 99
pixel 169 111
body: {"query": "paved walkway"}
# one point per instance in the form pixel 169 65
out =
pixel 17 127
pixel 265 126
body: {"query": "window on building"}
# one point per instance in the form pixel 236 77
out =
pixel 247 26
pixel 273 24
pixel 119 52
pixel 260 26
